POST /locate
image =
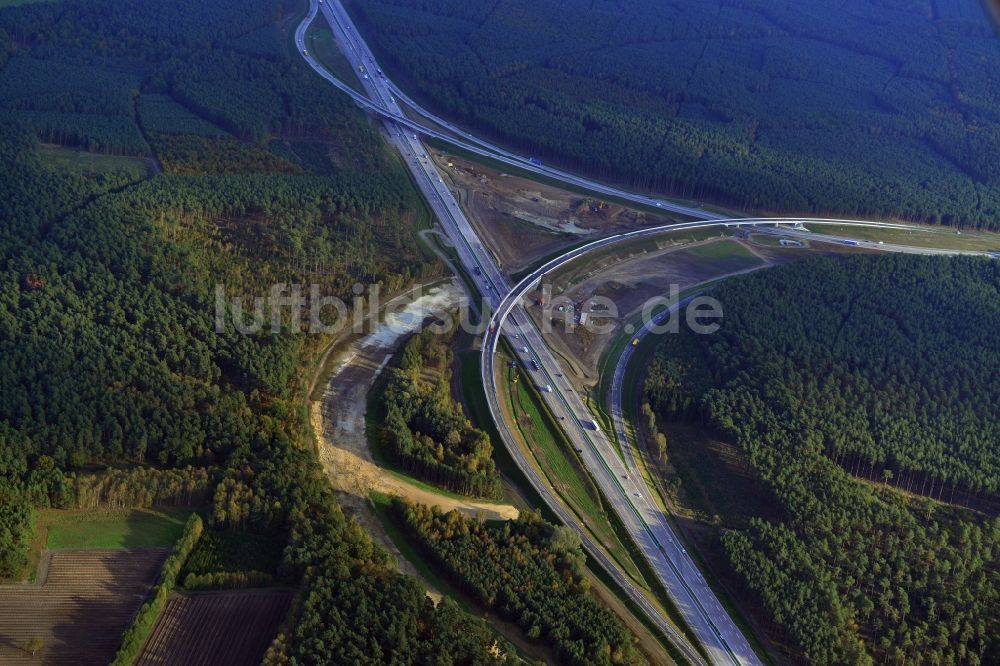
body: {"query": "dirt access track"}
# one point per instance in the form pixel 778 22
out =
pixel 631 275
pixel 80 609
pixel 523 220
pixel 338 416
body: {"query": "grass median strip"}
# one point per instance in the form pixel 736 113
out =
pixel 555 457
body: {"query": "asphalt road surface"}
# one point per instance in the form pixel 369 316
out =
pixel 618 479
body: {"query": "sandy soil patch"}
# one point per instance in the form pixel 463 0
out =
pixel 338 417
pixel 523 220
pixel 628 284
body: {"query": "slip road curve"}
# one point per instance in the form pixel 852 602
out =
pixel 712 626
pixel 339 20
pixel 674 567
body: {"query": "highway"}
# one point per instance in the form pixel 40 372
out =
pixel 386 104
pixel 493 284
pixel 618 383
pixel 619 481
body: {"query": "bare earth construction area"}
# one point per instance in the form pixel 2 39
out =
pixel 338 417
pixel 77 614
pixel 526 220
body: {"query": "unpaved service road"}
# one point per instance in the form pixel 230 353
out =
pixel 525 220
pixel 338 418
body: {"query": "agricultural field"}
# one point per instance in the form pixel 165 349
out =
pixel 215 628
pixel 132 528
pixel 77 612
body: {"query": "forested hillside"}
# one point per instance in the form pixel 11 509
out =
pixel 841 379
pixel 865 107
pixel 109 353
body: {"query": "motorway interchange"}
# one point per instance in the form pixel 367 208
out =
pixel 619 480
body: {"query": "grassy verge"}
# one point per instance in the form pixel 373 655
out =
pixel 321 43
pixel 568 476
pixel 551 449
pixel 558 461
pixel 928 236
pixel 474 400
pixel 131 528
pixel 698 470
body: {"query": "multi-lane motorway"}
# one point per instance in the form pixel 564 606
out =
pixel 620 481
pixel 387 105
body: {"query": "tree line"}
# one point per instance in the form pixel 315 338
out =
pixel 425 432
pixel 531 572
pixel 887 360
pixel 107 340
pixel 804 108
